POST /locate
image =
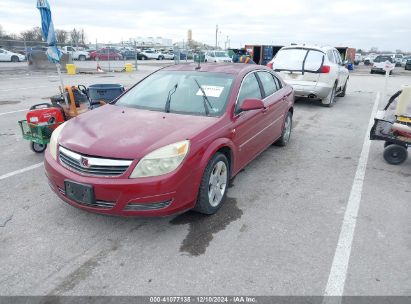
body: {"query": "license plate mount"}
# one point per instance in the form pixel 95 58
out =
pixel 80 193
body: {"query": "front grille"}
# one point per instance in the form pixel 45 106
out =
pixel 92 165
pixel 148 206
pixel 96 204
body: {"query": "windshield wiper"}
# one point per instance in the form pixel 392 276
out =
pixel 168 102
pixel 206 101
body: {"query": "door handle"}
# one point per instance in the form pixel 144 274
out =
pixel 264 110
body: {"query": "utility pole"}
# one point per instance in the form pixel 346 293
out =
pixel 216 34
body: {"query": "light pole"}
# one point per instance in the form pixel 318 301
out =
pixel 216 35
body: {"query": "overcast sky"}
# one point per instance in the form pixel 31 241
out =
pixel 362 24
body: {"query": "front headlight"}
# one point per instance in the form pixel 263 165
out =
pixel 53 145
pixel 162 161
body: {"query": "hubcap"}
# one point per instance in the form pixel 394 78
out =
pixel 38 147
pixel 217 183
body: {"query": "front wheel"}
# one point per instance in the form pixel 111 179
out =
pixel 285 136
pixel 395 154
pixel 213 187
pixel 82 58
pixel 37 148
pixel 15 59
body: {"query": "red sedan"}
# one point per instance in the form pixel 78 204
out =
pixel 105 54
pixel 172 142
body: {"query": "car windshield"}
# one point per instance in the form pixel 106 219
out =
pixel 221 54
pixel 293 59
pixel 181 88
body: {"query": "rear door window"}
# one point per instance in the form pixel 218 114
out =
pixel 268 82
pixel 314 61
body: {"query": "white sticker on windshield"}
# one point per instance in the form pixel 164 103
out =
pixel 211 91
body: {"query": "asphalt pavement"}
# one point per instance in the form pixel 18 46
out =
pixel 279 232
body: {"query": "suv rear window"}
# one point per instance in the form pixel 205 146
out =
pixel 383 59
pixel 295 59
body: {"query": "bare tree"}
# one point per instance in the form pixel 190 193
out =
pixel 61 36
pixel 75 36
pixel 82 37
pixel 34 34
pixel 1 31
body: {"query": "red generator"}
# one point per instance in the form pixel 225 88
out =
pixel 45 114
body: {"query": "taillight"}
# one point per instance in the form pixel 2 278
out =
pixel 325 69
pixel 270 65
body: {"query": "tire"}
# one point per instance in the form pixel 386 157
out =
pixel 82 58
pixel 330 100
pixel 37 148
pixel 390 72
pixel 14 59
pixel 387 143
pixel 143 58
pixel 286 134
pixel 395 154
pixel 160 58
pixel 344 90
pixel 214 185
pixel 372 72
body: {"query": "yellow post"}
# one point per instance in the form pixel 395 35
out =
pixel 71 69
pixel 129 67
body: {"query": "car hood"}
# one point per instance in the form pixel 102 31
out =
pixel 127 133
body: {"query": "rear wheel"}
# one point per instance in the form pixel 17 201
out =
pixel 15 59
pixel 344 90
pixel 213 187
pixel 285 136
pixel 38 148
pixel 82 58
pixel 143 58
pixel 395 154
pixel 330 100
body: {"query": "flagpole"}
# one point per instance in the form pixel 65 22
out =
pixel 61 82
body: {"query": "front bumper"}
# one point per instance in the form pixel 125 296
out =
pixel 155 196
pixel 308 88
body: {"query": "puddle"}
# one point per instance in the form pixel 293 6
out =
pixel 203 227
pixel 9 102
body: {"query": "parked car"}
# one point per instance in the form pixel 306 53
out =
pixel 398 58
pixel 6 55
pixel 168 55
pixel 407 65
pixel 151 54
pixel 105 54
pixel 379 62
pixel 172 142
pixel 314 72
pixel 76 54
pixel 217 56
pixel 358 58
pixel 129 54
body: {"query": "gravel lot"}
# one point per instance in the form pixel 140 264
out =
pixel 276 235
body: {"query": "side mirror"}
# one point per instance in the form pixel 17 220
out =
pixel 252 104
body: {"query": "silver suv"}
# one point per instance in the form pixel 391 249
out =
pixel 314 72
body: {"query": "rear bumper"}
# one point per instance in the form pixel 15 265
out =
pixel 151 197
pixel 310 89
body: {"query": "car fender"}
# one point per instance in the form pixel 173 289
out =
pixel 212 149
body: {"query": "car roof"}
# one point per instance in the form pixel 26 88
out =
pixel 310 46
pixel 226 68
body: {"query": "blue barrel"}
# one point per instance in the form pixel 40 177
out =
pixel 105 92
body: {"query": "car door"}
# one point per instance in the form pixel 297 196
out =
pixel 341 70
pixel 3 55
pixel 275 103
pixel 249 125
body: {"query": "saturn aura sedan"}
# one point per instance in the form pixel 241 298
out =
pixel 172 142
